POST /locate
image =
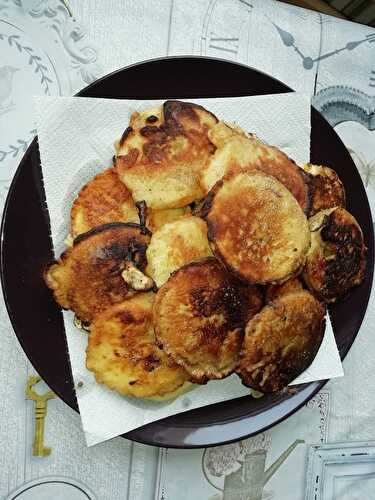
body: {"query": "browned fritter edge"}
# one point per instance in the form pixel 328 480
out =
pixel 109 225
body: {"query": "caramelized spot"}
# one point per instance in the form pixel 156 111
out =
pixel 142 214
pixel 128 160
pixel 347 252
pixel 149 130
pixel 151 362
pixel 126 317
pixel 227 300
pixel 125 134
pixel 151 119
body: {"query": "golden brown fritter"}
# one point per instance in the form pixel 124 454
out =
pixel 238 151
pixel 57 278
pixel 275 291
pixel 199 316
pixel 253 297
pixel 281 341
pixel 156 219
pixel 123 354
pixel 174 245
pixel 88 277
pixel 325 188
pixel 256 228
pixel 336 260
pixel 161 153
pixel 102 200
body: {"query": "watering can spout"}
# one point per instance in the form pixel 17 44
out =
pixel 275 466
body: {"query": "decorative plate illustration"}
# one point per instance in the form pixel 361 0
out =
pixel 44 51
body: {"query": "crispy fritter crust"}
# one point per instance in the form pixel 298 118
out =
pixel 254 299
pixel 174 245
pixel 102 200
pixel 290 286
pixel 123 354
pixel 256 228
pixel 156 219
pixel 238 151
pixel 87 278
pixel 199 316
pixel 325 187
pixel 336 260
pixel 281 341
pixel 160 160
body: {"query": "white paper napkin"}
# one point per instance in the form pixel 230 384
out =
pixel 76 137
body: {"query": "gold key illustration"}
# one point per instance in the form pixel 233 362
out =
pixel 39 450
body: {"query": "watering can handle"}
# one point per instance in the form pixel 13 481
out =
pixel 278 463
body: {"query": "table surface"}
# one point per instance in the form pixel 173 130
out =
pixel 331 59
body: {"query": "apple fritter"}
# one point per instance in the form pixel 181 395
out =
pixel 102 200
pixel 238 151
pixel 325 188
pixel 253 297
pixel 161 153
pixel 156 219
pixel 199 315
pixel 290 286
pixel 336 260
pixel 123 355
pixel 281 341
pixel 174 245
pixel 104 266
pixel 256 228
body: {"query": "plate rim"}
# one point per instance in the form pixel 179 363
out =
pixel 134 434
pixel 14 494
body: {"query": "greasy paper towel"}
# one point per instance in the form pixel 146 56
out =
pixel 76 137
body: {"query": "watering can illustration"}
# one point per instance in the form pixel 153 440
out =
pixel 248 482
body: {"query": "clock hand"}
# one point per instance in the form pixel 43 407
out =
pixel 288 39
pixel 353 45
pixel 330 54
pixel 308 62
pixel 348 46
pixel 298 52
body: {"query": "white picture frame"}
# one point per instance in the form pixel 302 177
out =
pixel 341 471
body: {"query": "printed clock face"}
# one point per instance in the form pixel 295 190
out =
pixel 225 29
pixel 309 62
pixel 305 64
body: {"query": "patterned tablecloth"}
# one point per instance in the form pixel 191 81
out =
pixel 327 449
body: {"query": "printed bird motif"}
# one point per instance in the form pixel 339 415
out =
pixel 6 82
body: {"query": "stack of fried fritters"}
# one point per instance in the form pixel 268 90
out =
pixel 201 252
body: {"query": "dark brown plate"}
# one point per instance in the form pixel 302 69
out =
pixel 26 248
